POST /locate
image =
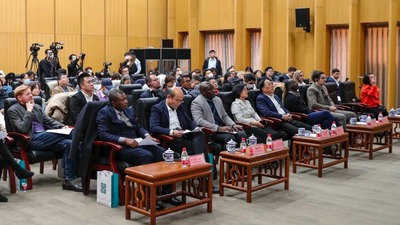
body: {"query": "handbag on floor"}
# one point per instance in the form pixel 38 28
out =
pixel 107 188
pixel 22 184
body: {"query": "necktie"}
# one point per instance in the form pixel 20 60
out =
pixel 124 118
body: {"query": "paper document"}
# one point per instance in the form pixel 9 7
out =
pixel 145 141
pixel 197 129
pixel 65 131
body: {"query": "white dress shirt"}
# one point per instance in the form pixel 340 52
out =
pixel 212 63
pixel 173 120
pixel 277 105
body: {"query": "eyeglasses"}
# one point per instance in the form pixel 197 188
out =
pixel 323 78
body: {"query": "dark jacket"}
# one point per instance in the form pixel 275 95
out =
pixel 85 133
pixel 159 119
pixel 267 108
pixel 150 94
pixel 110 128
pixel 73 68
pixel 218 65
pixel 75 105
pixel 294 102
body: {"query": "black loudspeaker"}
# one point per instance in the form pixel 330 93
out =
pixel 303 18
pixel 167 43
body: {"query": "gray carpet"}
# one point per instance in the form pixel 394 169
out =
pixel 365 193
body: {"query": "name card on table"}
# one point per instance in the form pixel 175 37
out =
pixel 278 145
pixel 198 159
pixel 257 149
pixel 373 122
pixel 385 119
pixel 325 133
pixel 339 130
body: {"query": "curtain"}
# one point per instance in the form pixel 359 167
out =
pixel 185 40
pixel 376 54
pixel 222 43
pixel 256 50
pixel 398 69
pixel 339 52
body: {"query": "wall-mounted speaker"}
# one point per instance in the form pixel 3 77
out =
pixel 167 43
pixel 303 18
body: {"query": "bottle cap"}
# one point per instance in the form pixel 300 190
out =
pixel 243 139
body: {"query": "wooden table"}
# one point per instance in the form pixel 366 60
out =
pixel 361 137
pixel 396 121
pixel 142 182
pixel 238 173
pixel 309 151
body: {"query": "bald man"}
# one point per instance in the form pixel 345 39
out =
pixel 170 118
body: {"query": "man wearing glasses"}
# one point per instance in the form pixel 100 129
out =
pixel 318 98
pixel 170 118
pixel 154 88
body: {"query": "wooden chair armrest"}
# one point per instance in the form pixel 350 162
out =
pixel 112 145
pixel 268 121
pixel 207 131
pixel 244 125
pixel 22 137
pixel 343 107
pixel 302 115
pixel 164 137
pixel 8 140
pixel 275 120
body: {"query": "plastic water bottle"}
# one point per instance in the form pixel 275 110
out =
pixel 333 128
pixel 24 185
pixel 243 146
pixel 269 143
pixel 184 158
pixel 368 120
pixel 380 117
pixel 319 129
pixel 392 112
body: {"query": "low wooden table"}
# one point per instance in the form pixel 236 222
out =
pixel 274 163
pixel 361 137
pixel 141 185
pixel 309 151
pixel 396 130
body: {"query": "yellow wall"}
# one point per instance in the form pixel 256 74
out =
pixel 103 29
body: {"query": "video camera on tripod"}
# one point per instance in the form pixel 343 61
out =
pixel 35 47
pixel 55 47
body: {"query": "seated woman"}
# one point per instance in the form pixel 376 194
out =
pixel 294 102
pixel 244 113
pixel 299 77
pixel 7 159
pixel 169 82
pixel 370 96
pixel 35 90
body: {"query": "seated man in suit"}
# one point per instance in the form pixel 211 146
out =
pixel 186 84
pixel 117 123
pixel 169 118
pixel 80 99
pixel 28 118
pixel 269 105
pixel 318 97
pixel 208 111
pixel 154 90
pixel 63 81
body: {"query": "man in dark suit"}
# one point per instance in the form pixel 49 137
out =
pixel 288 75
pixel 80 99
pixel 117 123
pixel 269 105
pixel 212 62
pixel 169 118
pixel 185 83
pixel 28 118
